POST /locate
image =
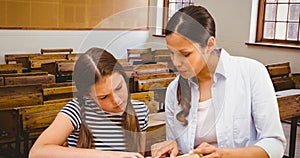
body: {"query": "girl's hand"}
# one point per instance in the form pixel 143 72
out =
pixel 163 148
pixel 117 154
pixel 208 150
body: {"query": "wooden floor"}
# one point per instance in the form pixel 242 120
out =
pixel 286 128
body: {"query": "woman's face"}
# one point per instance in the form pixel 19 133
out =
pixel 111 93
pixel 186 56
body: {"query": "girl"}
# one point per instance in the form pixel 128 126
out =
pixel 224 106
pixel 101 121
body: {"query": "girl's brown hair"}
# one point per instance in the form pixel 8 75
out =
pixel 89 68
pixel 196 24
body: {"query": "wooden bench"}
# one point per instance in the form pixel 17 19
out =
pixel 148 99
pixel 23 79
pixel 62 70
pixel 14 97
pixel 27 113
pixel 10 68
pixel 10 77
pixel 1 81
pixel 155 81
pixel 68 50
pixel 35 119
pixel 9 137
pixel 13 57
pixel 296 79
pixel 26 123
pixel 164 55
pixel 33 63
pixel 73 56
pixel 139 54
pixel 151 76
pixel 281 76
pixel 58 92
pixel 20 95
pixel 128 68
pixel 150 69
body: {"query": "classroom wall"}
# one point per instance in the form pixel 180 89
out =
pixel 31 41
pixel 233 30
pixel 116 41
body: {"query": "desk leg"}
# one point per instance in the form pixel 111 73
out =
pixel 26 142
pixel 18 148
pixel 293 135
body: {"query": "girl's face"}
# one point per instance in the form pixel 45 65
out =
pixel 111 93
pixel 186 56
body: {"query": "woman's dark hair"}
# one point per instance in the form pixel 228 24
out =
pixel 196 24
pixel 97 63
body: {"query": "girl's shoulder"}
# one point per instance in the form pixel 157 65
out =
pixel 140 107
pixel 72 110
pixel 138 104
pixel 73 104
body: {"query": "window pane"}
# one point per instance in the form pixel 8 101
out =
pixel 172 6
pixel 292 31
pixel 270 12
pixel 271 1
pixel 186 4
pixel 178 6
pixel 171 9
pixel 282 12
pixel 175 5
pixel 269 30
pixel 280 31
pixel 283 1
pixel 294 12
pixel 294 1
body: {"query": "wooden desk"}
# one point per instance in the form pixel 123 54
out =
pixel 289 108
pixel 156 131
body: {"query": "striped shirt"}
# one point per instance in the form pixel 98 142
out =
pixel 105 127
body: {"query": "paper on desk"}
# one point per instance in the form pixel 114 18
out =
pixel 288 92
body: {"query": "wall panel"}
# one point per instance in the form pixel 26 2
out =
pixel 73 14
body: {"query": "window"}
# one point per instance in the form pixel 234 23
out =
pixel 170 7
pixel 175 5
pixel 278 21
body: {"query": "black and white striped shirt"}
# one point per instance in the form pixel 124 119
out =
pixel 105 127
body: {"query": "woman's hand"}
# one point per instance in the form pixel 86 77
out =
pixel 208 150
pixel 116 154
pixel 163 148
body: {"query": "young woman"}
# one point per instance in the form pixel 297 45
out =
pixel 220 105
pixel 101 121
